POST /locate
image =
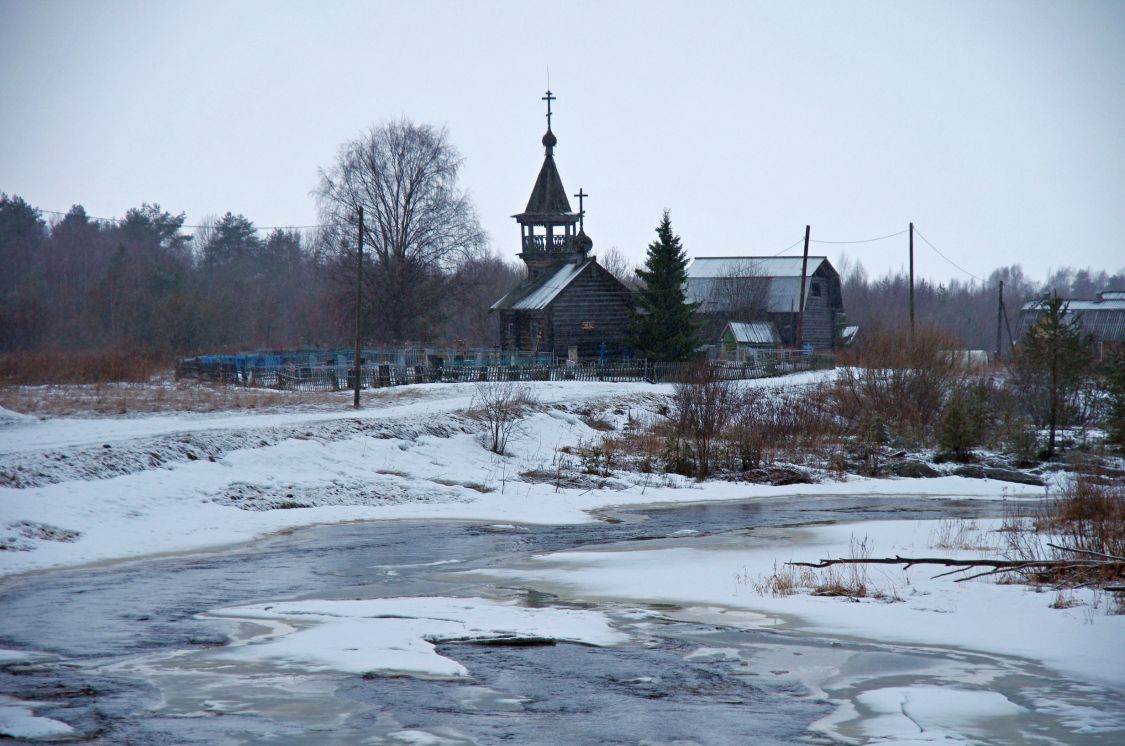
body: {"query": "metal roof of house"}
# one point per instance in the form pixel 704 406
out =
pixel 1073 306
pixel 782 296
pixel 535 295
pixel 706 274
pixel 751 266
pixel 754 332
pixel 1105 319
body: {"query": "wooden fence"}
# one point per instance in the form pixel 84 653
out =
pixel 339 378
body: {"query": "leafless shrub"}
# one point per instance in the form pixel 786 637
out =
pixel 702 406
pixel 1085 522
pixel 791 424
pixel 1088 515
pixel 904 383
pixel 501 405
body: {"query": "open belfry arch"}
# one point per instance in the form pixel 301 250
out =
pixel 568 303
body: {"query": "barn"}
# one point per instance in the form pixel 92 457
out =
pixel 568 305
pixel 1102 317
pixel 768 289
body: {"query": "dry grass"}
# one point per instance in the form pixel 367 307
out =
pixel 785 581
pixel 82 366
pixel 154 397
pixel 1089 515
pixel 960 534
pixel 845 581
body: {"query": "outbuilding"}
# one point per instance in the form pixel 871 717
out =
pixel 763 288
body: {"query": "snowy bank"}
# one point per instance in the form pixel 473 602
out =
pixel 417 459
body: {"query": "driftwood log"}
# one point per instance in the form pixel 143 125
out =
pixel 1106 566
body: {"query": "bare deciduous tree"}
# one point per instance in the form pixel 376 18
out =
pixel 702 406
pixel 617 264
pixel 741 293
pixel 418 222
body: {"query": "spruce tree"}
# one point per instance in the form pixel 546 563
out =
pixel 662 328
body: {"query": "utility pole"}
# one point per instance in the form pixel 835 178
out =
pixel 999 320
pixel 358 303
pixel 912 283
pixel 801 311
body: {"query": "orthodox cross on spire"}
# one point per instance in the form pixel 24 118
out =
pixel 581 210
pixel 549 98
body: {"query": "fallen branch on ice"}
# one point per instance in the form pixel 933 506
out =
pixel 1111 566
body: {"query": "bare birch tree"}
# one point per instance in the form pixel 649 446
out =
pixel 419 223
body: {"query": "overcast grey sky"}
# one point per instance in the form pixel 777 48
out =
pixel 998 127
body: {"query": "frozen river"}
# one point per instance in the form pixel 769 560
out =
pixel 130 653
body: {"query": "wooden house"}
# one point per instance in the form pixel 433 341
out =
pixel 568 304
pixel 768 289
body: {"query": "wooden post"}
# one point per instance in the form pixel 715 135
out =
pixel 912 283
pixel 999 319
pixel 358 303
pixel 801 311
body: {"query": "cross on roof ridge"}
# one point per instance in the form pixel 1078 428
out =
pixel 581 210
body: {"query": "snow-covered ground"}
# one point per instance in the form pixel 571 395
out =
pixel 115 488
pixel 89 490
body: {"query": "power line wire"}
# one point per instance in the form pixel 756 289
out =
pixel 796 243
pixel 862 240
pixel 943 256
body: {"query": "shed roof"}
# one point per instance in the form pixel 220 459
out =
pixel 535 295
pixel 753 332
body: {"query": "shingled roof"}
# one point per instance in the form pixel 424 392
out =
pixel 548 197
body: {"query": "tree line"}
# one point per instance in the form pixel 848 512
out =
pixel 965 309
pixel 145 282
pixel 151 283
